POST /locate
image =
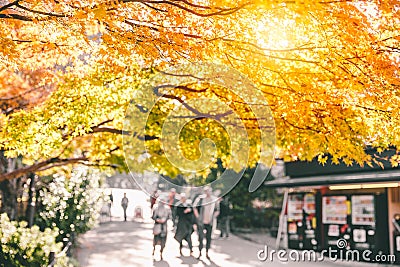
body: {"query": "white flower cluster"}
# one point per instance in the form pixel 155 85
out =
pixel 73 203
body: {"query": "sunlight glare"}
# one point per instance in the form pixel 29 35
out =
pixel 273 34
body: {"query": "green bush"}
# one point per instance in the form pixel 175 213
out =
pixel 22 246
pixel 71 204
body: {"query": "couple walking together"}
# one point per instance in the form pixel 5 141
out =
pixel 199 215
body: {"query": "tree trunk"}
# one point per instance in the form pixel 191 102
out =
pixel 30 212
pixel 8 189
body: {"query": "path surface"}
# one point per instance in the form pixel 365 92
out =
pixel 119 243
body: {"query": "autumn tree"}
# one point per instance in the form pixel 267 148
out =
pixel 328 70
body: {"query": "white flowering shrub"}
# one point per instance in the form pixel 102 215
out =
pixel 23 246
pixel 72 204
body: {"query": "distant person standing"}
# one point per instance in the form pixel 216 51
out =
pixel 110 203
pixel 184 226
pixel 111 198
pixel 223 217
pixel 124 204
pixel 205 208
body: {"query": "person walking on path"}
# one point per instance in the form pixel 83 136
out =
pixel 160 214
pixel 205 208
pixel 223 217
pixel 172 205
pixel 184 226
pixel 124 204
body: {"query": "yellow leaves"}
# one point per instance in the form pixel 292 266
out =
pixel 335 160
pixel 80 14
pixel 179 20
pixel 115 3
pixel 6 44
pixel 329 76
pixel 8 53
pixel 3 120
pixel 67 116
pixel 379 163
pixel 348 161
pixel 100 13
pixel 322 159
pixel 394 160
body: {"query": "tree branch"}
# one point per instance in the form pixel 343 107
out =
pixel 220 12
pixel 40 12
pixel 98 129
pixel 8 5
pixel 43 165
pixel 109 130
pixel 15 16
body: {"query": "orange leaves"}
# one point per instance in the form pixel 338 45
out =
pixel 329 71
pixel 7 50
pixel 24 90
pixel 100 13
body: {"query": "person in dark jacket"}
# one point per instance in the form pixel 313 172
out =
pixel 205 208
pixel 184 227
pixel 124 204
pixel 223 217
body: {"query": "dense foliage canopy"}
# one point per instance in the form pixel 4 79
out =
pixel 69 69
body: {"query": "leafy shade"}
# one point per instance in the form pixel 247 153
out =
pixel 80 122
pixel 329 70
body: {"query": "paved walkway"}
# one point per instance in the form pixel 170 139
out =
pixel 259 237
pixel 119 243
pixel 129 243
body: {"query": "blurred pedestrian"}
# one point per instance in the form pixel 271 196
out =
pixel 205 209
pixel 160 214
pixel 223 217
pixel 110 203
pixel 172 200
pixel 185 221
pixel 153 198
pixel 124 204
